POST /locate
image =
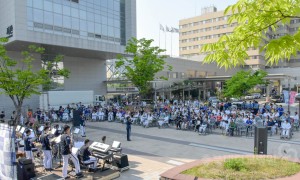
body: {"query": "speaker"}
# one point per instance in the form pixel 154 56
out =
pixel 121 160
pixel 260 140
pixel 25 169
pixel 76 118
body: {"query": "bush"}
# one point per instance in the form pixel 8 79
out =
pixel 235 164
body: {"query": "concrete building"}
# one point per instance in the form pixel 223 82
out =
pixel 182 70
pixel 86 32
pixel 212 24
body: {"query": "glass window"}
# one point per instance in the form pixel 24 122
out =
pixel 111 4
pixel 29 14
pixel 38 4
pixel 111 31
pixel 104 3
pixel 67 10
pixel 116 23
pixel 117 6
pixel 90 16
pixel 97 18
pixel 75 23
pixel 57 20
pixel 38 15
pixel 91 27
pixel 48 17
pixel 104 20
pixel 83 25
pixel 29 3
pixel 57 8
pixel 74 12
pixel 67 21
pixel 110 22
pixel 104 30
pixel 117 33
pixel 98 28
pixel 82 14
pixel 48 6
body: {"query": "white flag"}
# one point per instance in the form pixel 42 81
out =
pixel 161 27
pixel 168 29
pixel 175 30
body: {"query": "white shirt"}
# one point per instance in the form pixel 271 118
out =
pixel 286 125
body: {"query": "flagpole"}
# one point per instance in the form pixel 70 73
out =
pixel 159 37
pixel 166 42
pixel 171 45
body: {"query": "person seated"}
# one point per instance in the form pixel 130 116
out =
pixel 202 128
pixel 285 126
pixel 94 116
pixel 87 157
pixel 271 126
pixel 110 116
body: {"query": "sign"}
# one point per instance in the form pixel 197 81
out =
pixel 292 97
pixel 7 153
pixel 9 31
pixel 123 89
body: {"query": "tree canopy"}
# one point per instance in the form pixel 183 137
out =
pixel 19 81
pixel 258 24
pixel 239 84
pixel 143 63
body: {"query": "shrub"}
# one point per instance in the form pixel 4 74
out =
pixel 235 164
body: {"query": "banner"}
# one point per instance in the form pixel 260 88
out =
pixel 286 96
pixel 8 170
pixel 292 97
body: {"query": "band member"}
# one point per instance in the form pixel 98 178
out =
pixel 46 149
pixel 65 145
pixel 82 125
pixel 28 145
pixel 128 128
pixel 56 133
pixel 86 155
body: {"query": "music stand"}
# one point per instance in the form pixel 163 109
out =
pixel 76 132
pixel 22 130
pixel 18 128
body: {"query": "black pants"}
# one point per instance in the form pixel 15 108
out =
pixel 128 133
pixel 178 124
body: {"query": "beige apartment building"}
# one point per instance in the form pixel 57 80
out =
pixel 212 24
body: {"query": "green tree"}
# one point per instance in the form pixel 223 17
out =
pixel 243 81
pixel 19 81
pixel 143 64
pixel 258 21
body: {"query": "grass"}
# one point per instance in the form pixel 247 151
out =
pixel 245 168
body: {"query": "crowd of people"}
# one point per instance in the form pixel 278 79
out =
pixel 187 115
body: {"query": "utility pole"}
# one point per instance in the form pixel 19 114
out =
pixel 289 86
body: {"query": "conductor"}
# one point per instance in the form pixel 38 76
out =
pixel 128 128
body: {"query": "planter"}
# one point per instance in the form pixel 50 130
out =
pixel 175 173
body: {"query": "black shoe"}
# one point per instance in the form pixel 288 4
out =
pixel 83 136
pixel 79 175
pixel 128 140
pixel 68 177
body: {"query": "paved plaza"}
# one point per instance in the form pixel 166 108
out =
pixel 153 151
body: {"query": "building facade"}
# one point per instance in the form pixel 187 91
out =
pixel 212 24
pixel 85 32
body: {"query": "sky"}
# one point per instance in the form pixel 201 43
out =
pixel 151 13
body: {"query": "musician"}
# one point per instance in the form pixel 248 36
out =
pixel 128 128
pixel 46 149
pixel 56 133
pixel 28 145
pixel 82 125
pixel 87 156
pixel 65 145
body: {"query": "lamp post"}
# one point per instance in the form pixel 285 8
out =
pixel 289 86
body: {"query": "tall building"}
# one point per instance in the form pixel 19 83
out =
pixel 86 32
pixel 212 24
